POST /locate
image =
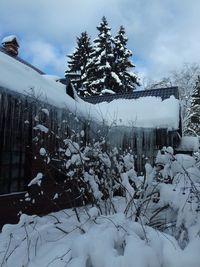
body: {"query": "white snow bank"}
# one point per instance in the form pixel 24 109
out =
pixel 143 112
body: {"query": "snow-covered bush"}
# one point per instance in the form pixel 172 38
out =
pixel 166 198
pixel 88 171
pixel 176 178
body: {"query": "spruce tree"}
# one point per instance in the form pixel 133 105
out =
pixel 193 126
pixel 100 73
pixel 79 59
pixel 123 64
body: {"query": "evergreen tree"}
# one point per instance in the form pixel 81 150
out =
pixel 194 111
pixel 79 59
pixel 123 64
pixel 100 74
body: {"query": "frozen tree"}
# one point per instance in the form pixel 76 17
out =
pixel 185 78
pixel 194 111
pixel 100 74
pixel 79 59
pixel 150 84
pixel 123 65
pixel 106 67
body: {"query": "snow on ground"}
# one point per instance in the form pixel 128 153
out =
pixel 144 112
pixel 111 237
pixel 59 240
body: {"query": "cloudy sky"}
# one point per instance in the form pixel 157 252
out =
pixel 163 34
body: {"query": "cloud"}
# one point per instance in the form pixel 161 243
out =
pixel 54 19
pixel 45 55
pixel 162 34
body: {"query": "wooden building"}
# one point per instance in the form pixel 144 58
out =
pixel 18 164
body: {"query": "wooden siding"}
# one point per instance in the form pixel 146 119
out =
pixel 18 164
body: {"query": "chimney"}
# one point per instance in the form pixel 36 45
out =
pixel 10 44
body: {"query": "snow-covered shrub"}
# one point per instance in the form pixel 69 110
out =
pixel 89 171
pixel 166 198
pixel 177 181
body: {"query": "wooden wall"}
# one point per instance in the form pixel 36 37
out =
pixel 18 147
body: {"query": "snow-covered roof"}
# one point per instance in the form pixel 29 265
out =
pixel 163 93
pixel 21 60
pixel 19 77
pixel 52 77
pixel 148 112
pixel 144 112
